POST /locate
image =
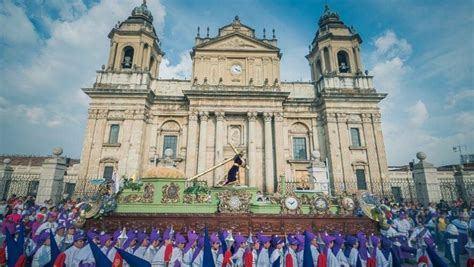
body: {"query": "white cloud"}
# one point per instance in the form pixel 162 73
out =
pixel 418 113
pixel 389 45
pixel 182 70
pixel 389 75
pixel 21 30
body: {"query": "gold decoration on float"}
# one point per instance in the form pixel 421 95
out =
pixel 233 201
pixel 170 193
pixel 146 197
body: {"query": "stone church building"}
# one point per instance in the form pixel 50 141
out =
pixel 236 96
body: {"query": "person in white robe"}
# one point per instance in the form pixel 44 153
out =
pixel 72 259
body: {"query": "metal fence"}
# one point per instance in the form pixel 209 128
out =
pixel 22 184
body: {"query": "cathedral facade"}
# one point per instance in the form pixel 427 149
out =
pixel 235 98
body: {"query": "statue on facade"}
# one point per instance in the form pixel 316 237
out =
pixel 234 170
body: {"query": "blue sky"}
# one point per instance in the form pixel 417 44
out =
pixel 420 52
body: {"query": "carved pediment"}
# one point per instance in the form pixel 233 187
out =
pixel 236 41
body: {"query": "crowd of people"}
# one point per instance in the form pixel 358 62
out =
pixel 46 235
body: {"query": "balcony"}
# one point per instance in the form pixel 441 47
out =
pixel 343 83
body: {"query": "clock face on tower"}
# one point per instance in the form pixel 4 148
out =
pixel 236 69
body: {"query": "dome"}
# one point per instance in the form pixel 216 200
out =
pixel 328 17
pixel 163 172
pixel 142 10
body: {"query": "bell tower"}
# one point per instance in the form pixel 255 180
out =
pixel 134 44
pixel 335 48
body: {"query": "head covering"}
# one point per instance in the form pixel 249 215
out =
pixel 103 238
pixel 276 240
pixel 362 246
pixel 192 237
pixel 375 242
pixel 292 240
pixel 214 238
pixel 239 239
pixel 338 242
pixel 78 236
pixel 386 247
pixel 264 239
pixel 167 234
pixel 350 241
pixel 179 239
pixel 155 235
pixel 60 226
pixel 42 238
pixel 142 236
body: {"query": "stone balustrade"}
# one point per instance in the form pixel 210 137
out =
pixel 339 82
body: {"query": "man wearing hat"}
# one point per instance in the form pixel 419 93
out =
pixel 327 258
pixel 164 253
pixel 240 245
pixel 71 258
pixel 189 249
pixel 251 255
pixel 49 224
pixel 291 260
pixel 277 253
pixel 70 232
pixel 177 255
pixel 337 250
pixel 216 250
pixel 351 252
pixel 42 255
pixel 153 248
pixel 60 235
pixel 264 256
pixel 107 243
pixel 144 242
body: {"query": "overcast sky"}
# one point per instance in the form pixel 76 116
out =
pixel 420 52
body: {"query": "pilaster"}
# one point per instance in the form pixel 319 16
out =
pixel 191 160
pixel 219 147
pixel 252 149
pixel 269 174
pixel 203 117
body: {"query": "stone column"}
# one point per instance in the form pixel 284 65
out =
pixel 252 150
pixel 279 148
pixel 219 148
pixel 112 54
pixel 348 175
pixel 315 135
pixel 269 175
pixel 373 167
pixel 426 181
pixel 463 182
pixel 52 178
pixel 191 159
pixel 332 63
pixel 6 172
pixel 382 159
pixel 203 116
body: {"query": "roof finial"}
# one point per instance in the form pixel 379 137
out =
pixel 273 31
pixel 236 17
pixel 207 35
pixel 144 2
pixel 199 28
pixel 264 34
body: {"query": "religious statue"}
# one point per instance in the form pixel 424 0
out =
pixel 234 170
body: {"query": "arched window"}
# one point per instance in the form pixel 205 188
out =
pixel 299 138
pixel 127 59
pixel 343 62
pixel 170 130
